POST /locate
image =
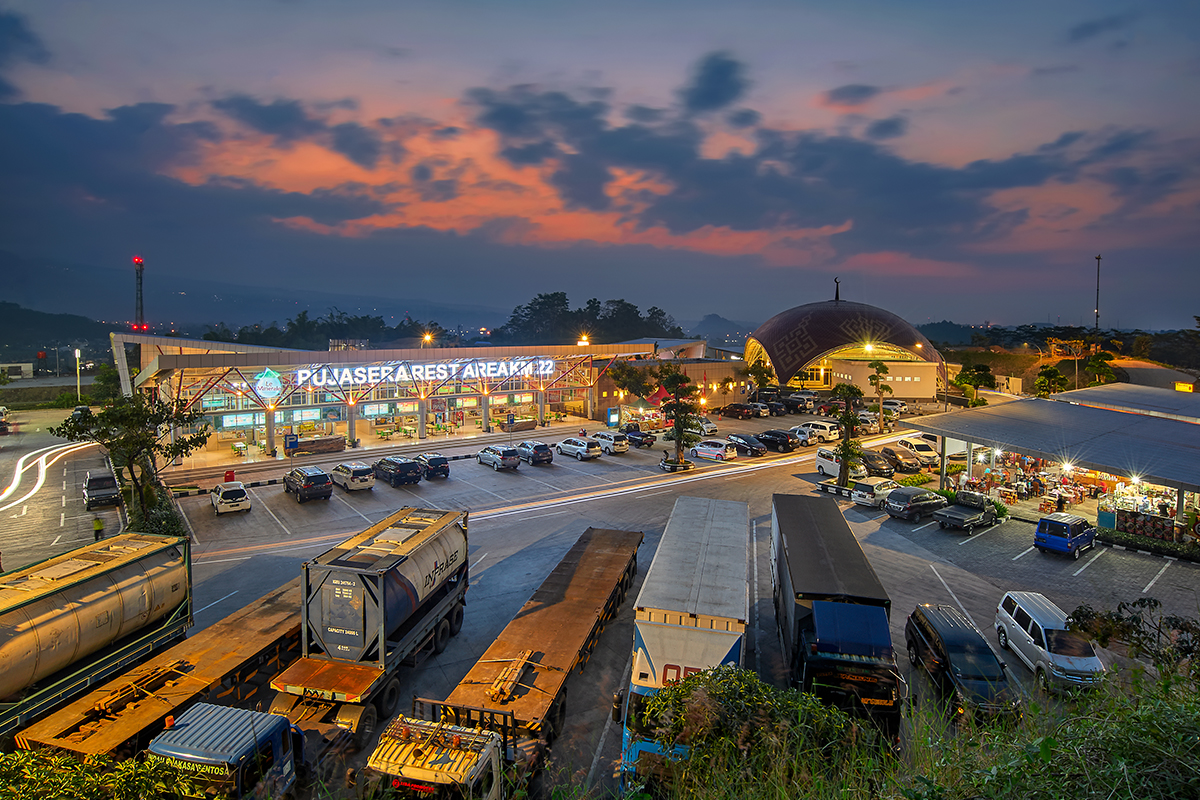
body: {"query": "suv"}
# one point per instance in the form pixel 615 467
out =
pixel 80 412
pixel 872 491
pixel 830 463
pixel 1036 630
pixel 100 488
pixel 580 448
pixel 612 442
pixel 783 441
pixel 823 431
pixel 434 464
pixel 307 483
pixel 395 470
pixel 353 475
pixel 229 496
pixel 877 465
pixel 959 661
pixel 498 457
pixel 1064 533
pixel 911 502
pixel 705 425
pixel 736 411
pixel 901 460
pixel 922 449
pixel 535 453
pixel 760 409
pixel 750 444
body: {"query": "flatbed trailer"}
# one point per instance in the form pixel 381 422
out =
pixel 512 702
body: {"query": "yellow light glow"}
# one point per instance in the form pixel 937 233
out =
pixel 999 453
pixel 1067 467
pixel 869 347
pixel 1136 480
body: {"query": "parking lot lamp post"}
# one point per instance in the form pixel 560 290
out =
pixel 78 391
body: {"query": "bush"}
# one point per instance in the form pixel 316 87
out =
pixel 916 479
pixel 1189 551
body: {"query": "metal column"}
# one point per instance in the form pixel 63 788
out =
pixel 541 402
pixel 271 432
pixel 351 418
pixel 422 412
pixel 487 414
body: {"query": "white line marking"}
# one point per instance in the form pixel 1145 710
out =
pixel 923 527
pixel 64 503
pixel 754 584
pixel 56 538
pixel 477 563
pixel 608 723
pixel 64 486
pixel 1156 577
pixel 1088 564
pixel 1023 552
pixel 480 488
pixel 62 519
pixel 214 602
pixel 952 594
pixel 551 514
pixel 188 523
pixel 221 560
pixel 269 511
pixel 550 486
pixel 655 494
pixel 973 538
pixel 352 508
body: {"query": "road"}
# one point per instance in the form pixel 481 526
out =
pixel 523 522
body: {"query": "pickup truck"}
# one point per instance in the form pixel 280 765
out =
pixel 636 437
pixel 970 510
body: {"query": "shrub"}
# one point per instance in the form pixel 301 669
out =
pixel 1189 551
pixel 916 479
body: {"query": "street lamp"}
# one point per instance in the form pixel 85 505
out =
pixel 426 339
pixel 78 391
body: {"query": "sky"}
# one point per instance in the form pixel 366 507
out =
pixel 943 160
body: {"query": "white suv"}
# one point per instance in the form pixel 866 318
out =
pixel 353 475
pixel 922 449
pixel 580 448
pixel 229 496
pixel 761 409
pixel 829 464
pixel 823 431
pixel 612 442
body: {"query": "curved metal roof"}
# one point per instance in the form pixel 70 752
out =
pixel 795 338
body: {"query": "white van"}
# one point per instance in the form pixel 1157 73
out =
pixel 872 491
pixel 823 431
pixel 1031 626
pixel 829 464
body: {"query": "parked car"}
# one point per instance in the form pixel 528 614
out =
pixel 913 502
pixel 4 427
pixel 777 408
pixel 3 413
pixel 308 483
pixel 797 403
pixel 736 411
pixel 751 445
pixel 80 411
pixel 877 465
pixel 498 457
pixel 807 436
pixel 1064 533
pixel 534 452
pixel 353 475
pixel 100 488
pixel 866 425
pixel 922 449
pixel 899 406
pixel 829 464
pixel 760 409
pixel 824 431
pixel 580 448
pixel 715 449
pixel 1031 626
pixel 434 465
pixel 706 426
pixel 395 470
pixel 636 436
pixel 872 491
pixel 782 441
pixel 901 460
pixel 612 442
pixel 959 661
pixel 229 496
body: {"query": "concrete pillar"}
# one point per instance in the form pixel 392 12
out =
pixel 351 418
pixel 486 412
pixel 944 483
pixel 591 402
pixel 541 403
pixel 271 432
pixel 422 411
pixel 970 459
pixel 178 460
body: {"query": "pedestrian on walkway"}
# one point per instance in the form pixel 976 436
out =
pixel 98 527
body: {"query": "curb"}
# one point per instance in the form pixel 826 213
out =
pixel 276 481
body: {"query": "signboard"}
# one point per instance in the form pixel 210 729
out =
pixel 512 418
pixel 402 372
pixel 290 441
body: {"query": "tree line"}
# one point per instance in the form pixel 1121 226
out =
pixel 549 319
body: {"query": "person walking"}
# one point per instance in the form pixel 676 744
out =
pixel 98 527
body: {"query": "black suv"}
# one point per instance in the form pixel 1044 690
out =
pixel 877 464
pixel 783 441
pixel 434 464
pixel 307 483
pixel 736 411
pixel 912 502
pixel 395 470
pixel 777 408
pixel 535 453
pixel 959 661
pixel 751 445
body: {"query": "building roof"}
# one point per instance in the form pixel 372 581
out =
pixel 1149 400
pixel 1158 450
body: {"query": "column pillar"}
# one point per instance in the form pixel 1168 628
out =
pixel 485 411
pixel 541 404
pixel 970 459
pixel 271 432
pixel 591 402
pixel 422 411
pixel 351 418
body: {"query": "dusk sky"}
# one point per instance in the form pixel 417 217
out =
pixel 946 160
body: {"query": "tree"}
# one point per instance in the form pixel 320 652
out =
pixel 1049 381
pixel 1098 366
pixel 1170 642
pixel 682 407
pixel 107 385
pixel 41 773
pixel 880 386
pixel 975 376
pixel 760 372
pixel 4 379
pixel 725 386
pixel 637 381
pixel 136 431
pixel 849 451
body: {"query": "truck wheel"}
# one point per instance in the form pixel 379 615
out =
pixel 389 698
pixel 942 524
pixel 441 636
pixel 456 619
pixel 969 529
pixel 366 727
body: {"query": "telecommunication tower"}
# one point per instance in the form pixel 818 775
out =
pixel 139 321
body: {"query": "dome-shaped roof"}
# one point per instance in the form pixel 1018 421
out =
pixel 795 338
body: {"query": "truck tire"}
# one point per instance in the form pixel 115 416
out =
pixel 456 619
pixel 942 524
pixel 365 727
pixel 388 698
pixel 969 529
pixel 441 636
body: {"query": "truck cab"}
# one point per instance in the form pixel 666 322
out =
pixel 435 760
pixel 232 752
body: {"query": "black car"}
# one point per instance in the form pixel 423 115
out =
pixel 636 436
pixel 308 483
pixel 783 441
pixel 434 465
pixel 798 403
pixel 395 470
pixel 736 411
pixel 901 460
pixel 749 444
pixel 777 408
pixel 535 453
pixel 959 661
pixel 877 464
pixel 912 502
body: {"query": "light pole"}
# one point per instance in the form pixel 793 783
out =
pixel 426 339
pixel 1097 299
pixel 78 392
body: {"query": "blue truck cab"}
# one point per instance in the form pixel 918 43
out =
pixel 1064 533
pixel 230 752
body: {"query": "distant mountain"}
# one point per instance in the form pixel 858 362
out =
pixel 946 332
pixel 24 332
pixel 717 330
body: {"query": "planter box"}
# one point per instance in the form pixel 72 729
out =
pixel 831 487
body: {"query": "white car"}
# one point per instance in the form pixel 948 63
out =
pixel 823 431
pixel 580 448
pixel 612 442
pixel 706 425
pixel 829 465
pixel 715 449
pixel 898 406
pixel 353 475
pixel 922 449
pixel 229 496
pixel 761 409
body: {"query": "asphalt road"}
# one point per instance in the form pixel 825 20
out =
pixel 523 522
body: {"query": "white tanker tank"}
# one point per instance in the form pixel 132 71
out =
pixel 58 612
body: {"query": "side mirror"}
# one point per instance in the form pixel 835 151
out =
pixel 617 704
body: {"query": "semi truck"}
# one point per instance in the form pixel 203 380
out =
pixel 75 620
pixel 833 613
pixel 410 557
pixel 690 615
pixel 495 728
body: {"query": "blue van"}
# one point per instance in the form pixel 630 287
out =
pixel 1064 533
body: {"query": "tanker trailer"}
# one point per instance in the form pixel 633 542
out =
pixel 385 598
pixel 73 620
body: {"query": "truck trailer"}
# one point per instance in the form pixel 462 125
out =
pixel 690 616
pixel 498 723
pixel 75 620
pixel 833 613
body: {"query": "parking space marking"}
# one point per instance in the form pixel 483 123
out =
pixel 1089 563
pixel 56 538
pixel 221 560
pixel 530 477
pixel 1023 552
pixel 214 602
pixel 342 500
pixel 551 514
pixel 589 474
pixel 923 527
pixel 480 488
pixel 188 523
pixel 62 519
pixel 976 536
pixel 952 594
pixel 269 511
pixel 478 561
pixel 654 494
pixel 1156 577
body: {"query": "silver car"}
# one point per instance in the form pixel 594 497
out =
pixel 580 448
pixel 353 475
pixel 498 457
pixel 612 442
pixel 1031 626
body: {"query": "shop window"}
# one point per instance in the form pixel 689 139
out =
pixel 916 377
pixel 908 377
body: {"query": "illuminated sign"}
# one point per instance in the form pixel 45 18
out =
pixel 268 385
pixel 397 373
